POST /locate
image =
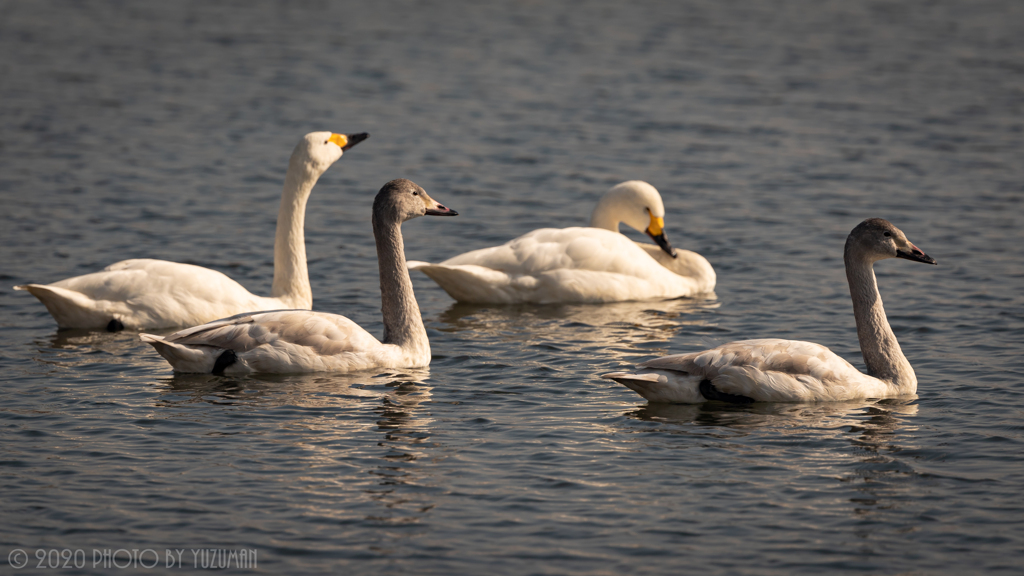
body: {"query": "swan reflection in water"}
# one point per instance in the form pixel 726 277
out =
pixel 886 417
pixel 74 339
pixel 878 430
pixel 316 390
pixel 620 329
pixel 377 425
pixel 77 348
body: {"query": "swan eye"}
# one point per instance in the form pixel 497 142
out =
pixel 415 192
pixel 887 234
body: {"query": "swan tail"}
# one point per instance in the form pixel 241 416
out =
pixel 471 283
pixel 73 309
pixel 661 386
pixel 195 359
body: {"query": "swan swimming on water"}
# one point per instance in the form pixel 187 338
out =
pixel 774 370
pixel 293 341
pixel 595 264
pixel 146 293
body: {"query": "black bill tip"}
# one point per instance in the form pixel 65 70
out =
pixel 663 243
pixel 354 139
pixel 441 210
pixel 916 256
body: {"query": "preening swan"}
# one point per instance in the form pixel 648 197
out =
pixel 774 370
pixel 595 264
pixel 146 293
pixel 291 341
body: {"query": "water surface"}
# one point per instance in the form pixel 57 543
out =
pixel 158 129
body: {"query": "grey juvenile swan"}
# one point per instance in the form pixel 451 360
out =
pixel 293 341
pixel 773 370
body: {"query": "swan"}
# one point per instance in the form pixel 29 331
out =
pixel 774 370
pixel 581 265
pixel 145 293
pixel 294 341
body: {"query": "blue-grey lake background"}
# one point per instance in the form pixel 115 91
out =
pixel 163 129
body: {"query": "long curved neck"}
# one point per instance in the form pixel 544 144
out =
pixel 403 325
pixel 291 277
pixel 882 353
pixel 605 216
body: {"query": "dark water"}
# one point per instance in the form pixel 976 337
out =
pixel 162 129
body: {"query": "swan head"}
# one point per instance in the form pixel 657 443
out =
pixel 401 200
pixel 877 239
pixel 636 204
pixel 316 151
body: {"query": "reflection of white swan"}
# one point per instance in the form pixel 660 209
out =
pixel 775 370
pixel 293 341
pixel 596 264
pixel 146 293
pixel 322 390
pixel 388 405
pixel 616 329
pixel 831 419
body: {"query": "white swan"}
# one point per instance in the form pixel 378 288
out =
pixel 292 341
pixel 147 293
pixel 596 264
pixel 773 370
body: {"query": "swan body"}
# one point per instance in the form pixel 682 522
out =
pixel 283 341
pixel 774 370
pixel 146 293
pixel 295 341
pixel 582 264
pixel 767 370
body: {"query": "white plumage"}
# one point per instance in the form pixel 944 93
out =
pixel 773 370
pixel 280 341
pixel 294 341
pixel 582 264
pixel 147 293
pixel 768 370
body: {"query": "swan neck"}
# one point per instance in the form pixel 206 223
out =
pixel 291 276
pixel 882 354
pixel 605 215
pixel 403 324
